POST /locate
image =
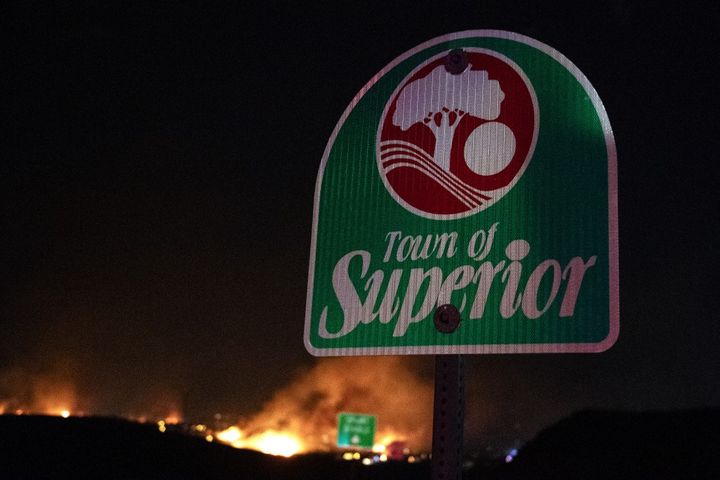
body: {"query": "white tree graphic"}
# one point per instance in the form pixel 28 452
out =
pixel 441 99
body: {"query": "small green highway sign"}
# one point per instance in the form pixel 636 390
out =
pixel 477 170
pixel 356 430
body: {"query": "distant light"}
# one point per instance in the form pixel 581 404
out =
pixel 411 459
pixel 378 448
pixel 347 456
pixel 356 455
pixel 65 414
pixel 508 459
pixel 383 458
pixel 162 428
pixel 367 461
pixel 209 438
pixel 200 428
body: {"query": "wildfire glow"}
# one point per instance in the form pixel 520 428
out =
pixel 307 409
pixel 173 419
pixel 231 436
pixel 275 443
pixel 270 442
pixel 300 418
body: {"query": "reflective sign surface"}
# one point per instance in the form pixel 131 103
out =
pixel 476 170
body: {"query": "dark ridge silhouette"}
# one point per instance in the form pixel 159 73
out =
pixel 620 445
pixel 38 447
pixel 42 447
pixel 585 446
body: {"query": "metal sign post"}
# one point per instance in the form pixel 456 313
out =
pixel 448 416
pixel 448 404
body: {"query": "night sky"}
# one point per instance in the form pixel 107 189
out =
pixel 157 182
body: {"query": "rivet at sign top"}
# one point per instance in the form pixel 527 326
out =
pixel 456 61
pixel 447 318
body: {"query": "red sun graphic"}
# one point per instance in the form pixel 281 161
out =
pixel 452 144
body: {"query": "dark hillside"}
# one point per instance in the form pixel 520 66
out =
pixel 607 445
pixel 40 447
pixel 35 447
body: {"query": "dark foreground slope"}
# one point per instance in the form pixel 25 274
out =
pixel 586 446
pixel 38 447
pixel 618 445
pixel 53 447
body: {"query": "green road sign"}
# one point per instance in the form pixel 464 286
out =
pixel 477 170
pixel 356 430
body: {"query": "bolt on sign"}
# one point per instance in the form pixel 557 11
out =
pixel 356 430
pixel 476 170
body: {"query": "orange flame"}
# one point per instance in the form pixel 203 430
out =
pixel 54 398
pixel 269 441
pixel 302 417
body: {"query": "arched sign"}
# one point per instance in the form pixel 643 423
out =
pixel 477 170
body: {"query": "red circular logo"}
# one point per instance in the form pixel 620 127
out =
pixel 451 144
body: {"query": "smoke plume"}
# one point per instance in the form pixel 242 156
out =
pixel 387 387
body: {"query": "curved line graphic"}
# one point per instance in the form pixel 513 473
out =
pixel 468 203
pixel 449 178
pixel 410 148
pixel 448 184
